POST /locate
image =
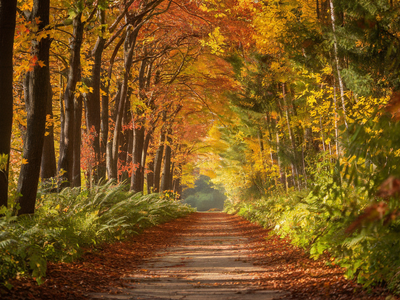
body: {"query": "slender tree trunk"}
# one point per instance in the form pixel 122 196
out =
pixel 291 138
pixel 39 81
pixel 335 51
pixel 147 140
pixel 108 144
pixel 103 137
pixel 158 162
pixel 139 133
pixel 93 99
pixel 7 28
pixel 62 109
pixel 67 144
pixel 126 144
pixel 281 173
pixel 171 177
pixel 322 133
pixel 49 165
pixel 304 161
pixel 76 167
pixel 336 121
pixel 177 186
pixel 166 176
pixel 150 177
pixel 129 46
pixel 138 169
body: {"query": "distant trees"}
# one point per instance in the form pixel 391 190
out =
pixel 107 89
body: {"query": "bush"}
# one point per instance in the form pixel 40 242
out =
pixel 64 223
pixel 317 221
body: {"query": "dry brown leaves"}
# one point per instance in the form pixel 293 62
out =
pixel 289 268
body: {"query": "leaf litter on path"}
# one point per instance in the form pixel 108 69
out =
pixel 105 270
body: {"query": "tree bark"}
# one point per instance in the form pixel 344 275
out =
pixel 49 165
pixel 138 169
pixel 7 28
pixel 76 166
pixel 105 132
pixel 336 122
pixel 39 81
pixel 150 177
pixel 125 152
pixel 147 140
pixel 130 41
pixel 281 173
pixel 158 162
pixel 166 176
pixel 335 52
pixel 67 143
pixel 139 133
pixel 93 98
pixel 291 138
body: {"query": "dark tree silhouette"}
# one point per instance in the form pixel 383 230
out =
pixel 7 27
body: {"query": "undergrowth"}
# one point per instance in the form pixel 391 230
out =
pixel 318 220
pixel 65 223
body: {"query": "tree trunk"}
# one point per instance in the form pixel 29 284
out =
pixel 104 139
pixel 147 140
pixel 291 138
pixel 281 173
pixel 177 186
pixel 150 177
pixel 158 162
pixel 129 46
pixel 7 28
pixel 322 133
pixel 335 52
pixel 102 169
pixel 76 166
pixel 39 81
pixel 93 99
pixel 125 153
pixel 138 169
pixel 49 166
pixel 166 176
pixel 139 133
pixel 336 121
pixel 67 144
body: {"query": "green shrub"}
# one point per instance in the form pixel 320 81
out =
pixel 317 222
pixel 65 222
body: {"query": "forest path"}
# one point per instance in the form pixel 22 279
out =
pixel 201 256
pixel 210 260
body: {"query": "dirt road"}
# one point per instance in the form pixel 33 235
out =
pixel 202 256
pixel 210 260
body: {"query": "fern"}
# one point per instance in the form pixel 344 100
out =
pixel 65 222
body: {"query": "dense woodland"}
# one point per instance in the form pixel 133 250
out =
pixel 291 106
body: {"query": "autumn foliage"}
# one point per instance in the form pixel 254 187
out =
pixel 290 106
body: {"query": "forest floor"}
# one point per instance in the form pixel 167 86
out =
pixel 202 256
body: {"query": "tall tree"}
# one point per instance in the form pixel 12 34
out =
pixel 36 103
pixel 65 163
pixel 7 27
pixel 48 168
